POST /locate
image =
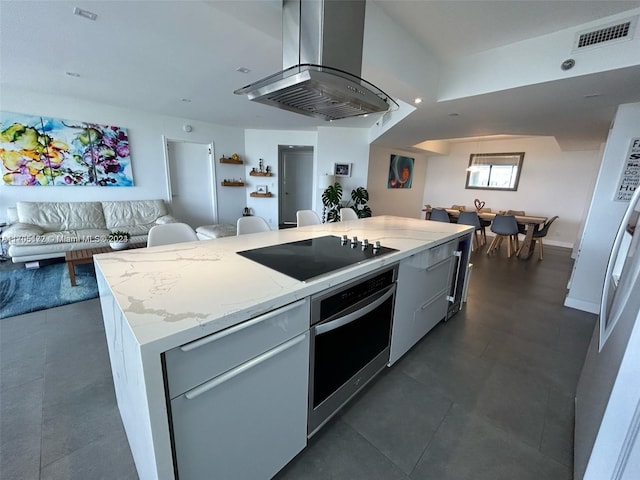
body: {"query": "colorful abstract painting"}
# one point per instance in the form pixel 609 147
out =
pixel 400 172
pixel 38 150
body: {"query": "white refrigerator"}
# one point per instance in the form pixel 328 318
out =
pixel 607 418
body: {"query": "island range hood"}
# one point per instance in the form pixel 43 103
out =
pixel 322 63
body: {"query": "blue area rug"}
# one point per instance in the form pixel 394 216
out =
pixel 23 290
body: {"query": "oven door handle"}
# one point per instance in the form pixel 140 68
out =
pixel 383 296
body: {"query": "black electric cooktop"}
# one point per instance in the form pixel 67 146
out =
pixel 310 258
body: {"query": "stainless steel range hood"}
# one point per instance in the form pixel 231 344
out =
pixel 322 61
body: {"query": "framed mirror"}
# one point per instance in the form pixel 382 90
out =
pixel 494 171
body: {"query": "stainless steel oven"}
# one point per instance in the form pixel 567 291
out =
pixel 350 341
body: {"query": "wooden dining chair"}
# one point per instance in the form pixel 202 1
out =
pixel 484 224
pixel 439 215
pixel 540 234
pixel 504 226
pixel 471 218
pixel 522 229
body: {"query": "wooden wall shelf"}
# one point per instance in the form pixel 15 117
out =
pixel 260 174
pixel 232 184
pixel 262 195
pixel 231 160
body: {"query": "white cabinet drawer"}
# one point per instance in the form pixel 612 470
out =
pixel 434 255
pixel 247 423
pixel 425 281
pixel 437 277
pixel 196 362
pixel 429 315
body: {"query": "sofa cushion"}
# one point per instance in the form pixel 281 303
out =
pixel 12 214
pixel 141 213
pixel 134 230
pixel 88 236
pixel 20 233
pixel 60 216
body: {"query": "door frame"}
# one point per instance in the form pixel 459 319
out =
pixel 211 171
pixel 282 149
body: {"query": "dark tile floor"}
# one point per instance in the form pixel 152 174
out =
pixel 487 395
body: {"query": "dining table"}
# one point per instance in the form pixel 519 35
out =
pixel 532 223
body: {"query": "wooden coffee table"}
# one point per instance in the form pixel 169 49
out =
pixel 79 257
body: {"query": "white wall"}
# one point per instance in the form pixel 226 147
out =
pixel 331 145
pixel 506 67
pixel 604 214
pixel 552 182
pixel 395 201
pixel 264 144
pixel 145 141
pixel 343 145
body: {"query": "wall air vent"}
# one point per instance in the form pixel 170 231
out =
pixel 606 34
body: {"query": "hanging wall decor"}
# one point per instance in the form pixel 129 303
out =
pixel 48 151
pixel 400 172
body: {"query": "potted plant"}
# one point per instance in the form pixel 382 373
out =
pixel 331 199
pixel 332 203
pixel 118 239
pixel 360 197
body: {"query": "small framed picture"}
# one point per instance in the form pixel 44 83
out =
pixel 261 189
pixel 342 169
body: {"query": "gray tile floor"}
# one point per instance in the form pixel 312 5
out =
pixel 487 395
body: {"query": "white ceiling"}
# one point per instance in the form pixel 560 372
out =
pixel 150 55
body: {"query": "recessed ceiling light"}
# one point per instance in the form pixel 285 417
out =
pixel 242 70
pixel 592 95
pixel 185 100
pixel 417 100
pixel 454 114
pixel 84 13
pixel 72 74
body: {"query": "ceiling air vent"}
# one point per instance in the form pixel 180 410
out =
pixel 607 34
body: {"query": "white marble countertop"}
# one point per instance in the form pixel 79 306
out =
pixel 177 293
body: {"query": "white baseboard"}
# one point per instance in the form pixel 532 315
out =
pixel 554 243
pixel 583 305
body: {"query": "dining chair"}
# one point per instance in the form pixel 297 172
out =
pixel 540 234
pixel 439 215
pixel 504 226
pixel 307 217
pixel 522 229
pixel 252 224
pixel 169 233
pixel 471 218
pixel 348 214
pixel 484 223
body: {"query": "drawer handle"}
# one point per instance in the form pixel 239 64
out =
pixel 452 297
pixel 205 387
pixel 344 320
pixel 436 265
pixel 237 328
pixel 433 299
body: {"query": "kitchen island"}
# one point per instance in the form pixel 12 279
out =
pixel 158 299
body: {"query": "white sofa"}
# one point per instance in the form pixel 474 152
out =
pixel 41 230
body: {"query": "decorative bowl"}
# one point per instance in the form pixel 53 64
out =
pixel 118 245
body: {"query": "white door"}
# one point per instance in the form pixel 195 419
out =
pixel 296 182
pixel 191 182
